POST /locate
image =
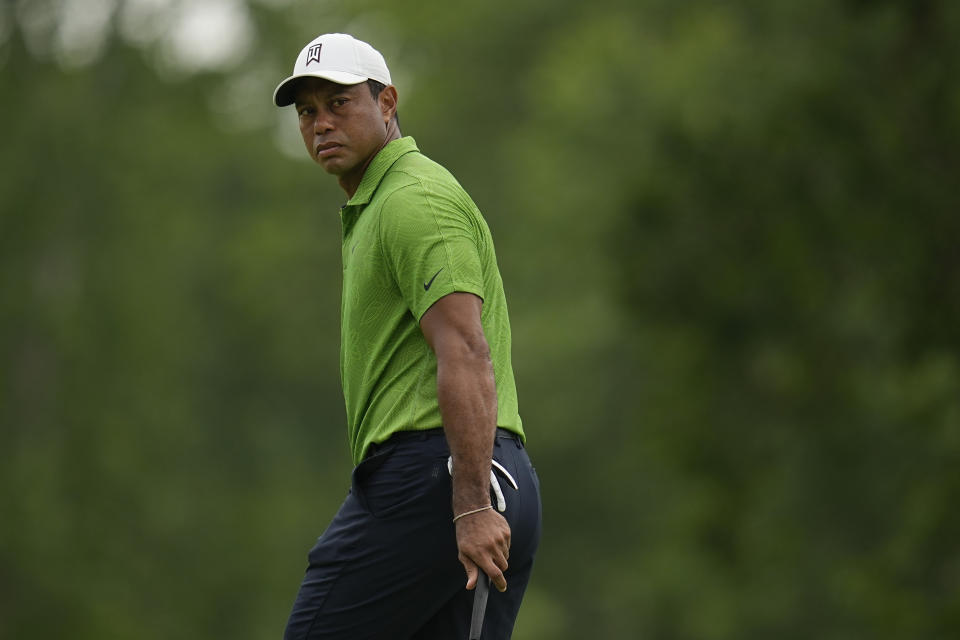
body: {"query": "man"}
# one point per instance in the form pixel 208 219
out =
pixel 443 484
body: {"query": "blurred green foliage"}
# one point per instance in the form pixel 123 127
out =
pixel 729 237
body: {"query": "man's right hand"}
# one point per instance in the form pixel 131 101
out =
pixel 483 541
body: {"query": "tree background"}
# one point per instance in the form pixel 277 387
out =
pixel 729 238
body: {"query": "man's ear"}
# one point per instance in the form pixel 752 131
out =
pixel 388 102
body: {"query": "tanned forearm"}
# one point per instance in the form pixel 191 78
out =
pixel 466 392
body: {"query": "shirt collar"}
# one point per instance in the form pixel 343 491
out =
pixel 378 168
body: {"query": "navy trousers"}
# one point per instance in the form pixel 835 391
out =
pixel 386 568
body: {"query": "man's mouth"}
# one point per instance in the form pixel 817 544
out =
pixel 327 148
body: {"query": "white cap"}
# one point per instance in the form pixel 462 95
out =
pixel 336 57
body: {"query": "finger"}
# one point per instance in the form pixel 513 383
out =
pixel 499 555
pixel 496 578
pixel 472 571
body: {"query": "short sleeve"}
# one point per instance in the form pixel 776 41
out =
pixel 430 242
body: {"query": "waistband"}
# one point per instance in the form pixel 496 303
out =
pixel 407 436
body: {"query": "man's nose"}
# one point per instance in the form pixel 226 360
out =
pixel 322 123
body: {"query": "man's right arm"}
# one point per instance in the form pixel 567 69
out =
pixel 466 392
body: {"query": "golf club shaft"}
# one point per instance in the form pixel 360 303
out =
pixel 480 593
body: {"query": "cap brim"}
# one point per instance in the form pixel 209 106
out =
pixel 283 94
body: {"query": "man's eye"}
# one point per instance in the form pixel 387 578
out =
pixel 339 102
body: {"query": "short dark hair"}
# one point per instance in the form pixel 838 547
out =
pixel 375 89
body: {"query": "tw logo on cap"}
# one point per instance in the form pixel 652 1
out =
pixel 313 54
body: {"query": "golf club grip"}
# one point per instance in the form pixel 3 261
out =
pixel 480 593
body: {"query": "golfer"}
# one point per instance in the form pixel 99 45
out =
pixel 443 493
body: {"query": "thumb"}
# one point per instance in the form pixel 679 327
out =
pixel 472 571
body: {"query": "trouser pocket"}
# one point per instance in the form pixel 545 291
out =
pixel 397 477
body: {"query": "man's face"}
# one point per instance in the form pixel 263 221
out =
pixel 342 126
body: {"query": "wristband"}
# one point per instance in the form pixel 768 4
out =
pixel 470 513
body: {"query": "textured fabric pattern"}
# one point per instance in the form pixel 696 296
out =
pixel 411 235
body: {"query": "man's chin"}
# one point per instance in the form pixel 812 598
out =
pixel 333 166
pixel 329 166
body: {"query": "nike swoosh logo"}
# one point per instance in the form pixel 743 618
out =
pixel 427 285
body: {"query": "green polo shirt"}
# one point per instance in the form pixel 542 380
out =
pixel 411 235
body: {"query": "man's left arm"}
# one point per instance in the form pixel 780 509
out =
pixel 467 394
